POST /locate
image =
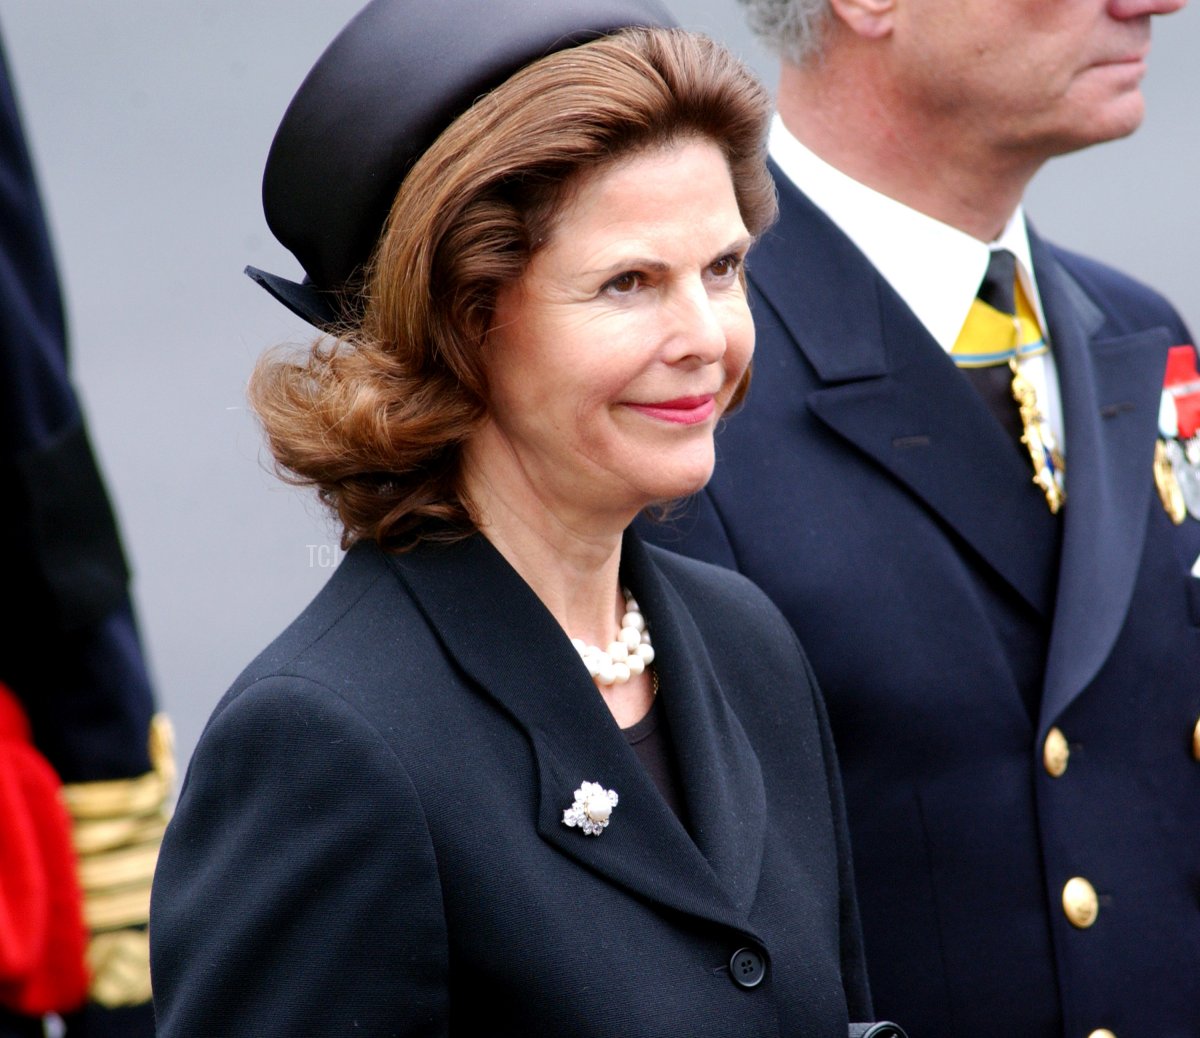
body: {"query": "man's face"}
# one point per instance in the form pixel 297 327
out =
pixel 1033 78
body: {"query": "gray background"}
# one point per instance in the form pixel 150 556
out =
pixel 150 121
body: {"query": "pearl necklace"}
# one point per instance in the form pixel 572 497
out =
pixel 630 654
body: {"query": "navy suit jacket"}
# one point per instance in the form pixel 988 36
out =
pixel 370 837
pixel 952 623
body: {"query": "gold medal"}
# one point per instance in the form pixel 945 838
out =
pixel 1169 490
pixel 1184 459
pixel 1048 467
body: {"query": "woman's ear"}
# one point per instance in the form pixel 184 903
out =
pixel 871 19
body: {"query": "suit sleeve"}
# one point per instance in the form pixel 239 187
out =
pixel 297 891
pixel 69 650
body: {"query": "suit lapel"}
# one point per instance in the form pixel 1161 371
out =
pixel 1110 390
pixel 892 392
pixel 512 649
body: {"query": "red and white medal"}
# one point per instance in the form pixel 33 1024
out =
pixel 1177 454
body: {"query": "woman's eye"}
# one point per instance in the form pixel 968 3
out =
pixel 726 266
pixel 624 284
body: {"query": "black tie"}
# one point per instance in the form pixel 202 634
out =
pixel 994 384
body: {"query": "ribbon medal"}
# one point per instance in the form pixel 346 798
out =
pixel 1177 453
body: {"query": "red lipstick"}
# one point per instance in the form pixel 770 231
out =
pixel 684 410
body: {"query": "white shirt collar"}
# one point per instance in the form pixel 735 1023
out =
pixel 935 268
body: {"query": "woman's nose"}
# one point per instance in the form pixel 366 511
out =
pixel 699 331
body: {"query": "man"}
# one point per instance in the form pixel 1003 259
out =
pixel 1013 678
pixel 76 707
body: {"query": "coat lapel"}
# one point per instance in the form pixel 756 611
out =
pixel 512 649
pixel 892 392
pixel 719 770
pixel 1110 390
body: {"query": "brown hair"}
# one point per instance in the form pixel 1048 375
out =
pixel 376 417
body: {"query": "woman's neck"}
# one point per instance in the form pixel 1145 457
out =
pixel 575 574
pixel 574 568
pixel 571 557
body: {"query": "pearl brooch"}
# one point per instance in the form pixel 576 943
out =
pixel 630 654
pixel 592 809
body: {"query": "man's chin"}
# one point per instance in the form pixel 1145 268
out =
pixel 1116 118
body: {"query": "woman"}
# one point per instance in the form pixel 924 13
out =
pixel 435 805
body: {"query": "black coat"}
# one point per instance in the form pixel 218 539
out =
pixel 370 837
pixel 954 624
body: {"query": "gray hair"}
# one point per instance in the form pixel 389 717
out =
pixel 794 29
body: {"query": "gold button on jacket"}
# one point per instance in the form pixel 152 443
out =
pixel 1080 902
pixel 1055 753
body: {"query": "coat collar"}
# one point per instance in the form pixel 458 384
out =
pixel 512 649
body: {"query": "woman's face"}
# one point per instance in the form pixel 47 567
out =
pixel 611 360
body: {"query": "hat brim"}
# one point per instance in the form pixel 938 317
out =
pixel 304 299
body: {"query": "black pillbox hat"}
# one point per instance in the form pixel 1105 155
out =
pixel 387 86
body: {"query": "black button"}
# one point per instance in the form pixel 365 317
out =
pixel 748 967
pixel 884 1029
